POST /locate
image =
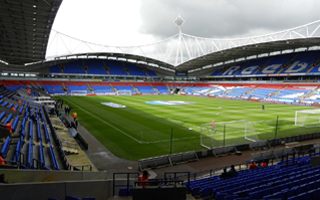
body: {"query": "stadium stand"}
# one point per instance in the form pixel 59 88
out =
pixel 296 180
pixel 146 89
pixel 101 67
pixel 162 89
pixel 306 94
pixel 77 89
pixel 54 89
pixel 280 93
pixel 55 69
pixel 95 67
pixel 73 68
pixel 303 63
pixel 24 147
pixel 99 89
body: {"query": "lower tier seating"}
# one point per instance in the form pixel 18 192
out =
pixel 297 180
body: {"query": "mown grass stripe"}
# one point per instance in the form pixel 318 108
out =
pixel 107 123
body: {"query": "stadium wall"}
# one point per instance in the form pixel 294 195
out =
pixel 25 82
pixel 29 176
pixel 292 85
pixel 104 83
pixel 58 190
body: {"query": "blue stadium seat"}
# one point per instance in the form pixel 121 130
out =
pixel 54 89
pixel 15 124
pixel 30 147
pixel 74 68
pixel 162 89
pixel 8 119
pixel 77 89
pixel 39 135
pixel 16 155
pixel 41 156
pixel 102 89
pixel 2 115
pixel 146 89
pixel 47 136
pixel 102 67
pixel 53 158
pixel 5 147
pixel 55 69
pixel 95 67
pixel 294 63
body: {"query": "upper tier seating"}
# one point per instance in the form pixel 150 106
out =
pixel 95 67
pixel 74 68
pixel 102 67
pixel 117 69
pixel 135 71
pixel 295 63
pixel 55 69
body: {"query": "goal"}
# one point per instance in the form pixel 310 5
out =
pixel 307 118
pixel 227 133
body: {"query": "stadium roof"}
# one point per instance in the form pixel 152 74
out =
pixel 25 26
pixel 208 61
pixel 182 49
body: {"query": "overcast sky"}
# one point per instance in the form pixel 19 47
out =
pixel 134 22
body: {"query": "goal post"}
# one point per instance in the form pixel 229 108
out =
pixel 250 132
pixel 307 118
pixel 227 133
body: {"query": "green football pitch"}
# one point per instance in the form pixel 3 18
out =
pixel 148 126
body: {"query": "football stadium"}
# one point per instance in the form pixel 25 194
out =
pixel 182 117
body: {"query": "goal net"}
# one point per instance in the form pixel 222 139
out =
pixel 227 133
pixel 124 93
pixel 307 118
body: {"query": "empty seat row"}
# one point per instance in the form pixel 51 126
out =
pixel 5 147
pixel 275 182
pixel 53 158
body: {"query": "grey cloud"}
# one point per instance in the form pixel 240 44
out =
pixel 225 18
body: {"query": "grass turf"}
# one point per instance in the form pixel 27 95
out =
pixel 141 130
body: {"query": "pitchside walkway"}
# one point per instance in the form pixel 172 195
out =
pixel 102 158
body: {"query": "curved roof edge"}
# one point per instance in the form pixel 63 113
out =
pixel 108 56
pixel 181 47
pixel 209 60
